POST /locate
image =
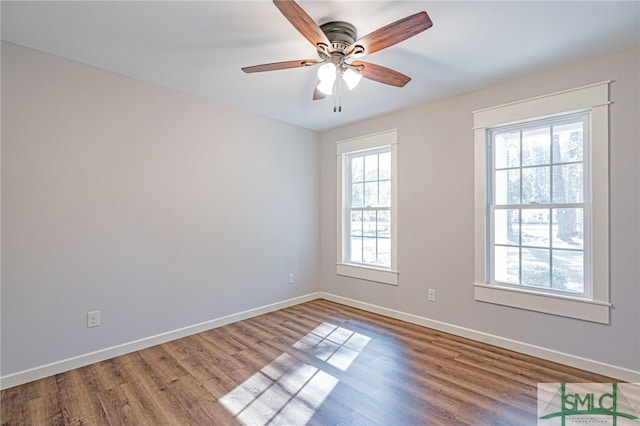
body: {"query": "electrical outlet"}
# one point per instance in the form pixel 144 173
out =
pixel 93 319
pixel 291 278
pixel 431 295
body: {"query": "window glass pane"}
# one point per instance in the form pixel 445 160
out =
pixel 507 150
pixel 371 167
pixel 357 195
pixel 536 185
pixel 384 195
pixel 384 252
pixel 535 146
pixel 369 251
pixel 385 166
pixel 506 227
pixel 568 228
pixel 356 223
pixel 568 143
pixel 568 183
pixel 369 223
pixel 506 264
pixel 356 250
pixel 568 267
pixel 371 194
pixel 357 169
pixel 535 267
pixel 384 224
pixel 535 227
pixel 507 187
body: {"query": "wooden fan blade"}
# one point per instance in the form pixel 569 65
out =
pixel 280 65
pixel 302 22
pixel 382 74
pixel 393 33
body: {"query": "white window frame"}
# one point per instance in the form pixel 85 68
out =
pixel 593 99
pixel 343 267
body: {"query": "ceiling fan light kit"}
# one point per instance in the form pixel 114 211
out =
pixel 336 43
pixel 330 72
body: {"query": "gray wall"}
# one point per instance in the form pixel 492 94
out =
pixel 159 209
pixel 163 211
pixel 435 232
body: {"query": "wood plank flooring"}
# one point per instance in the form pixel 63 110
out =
pixel 318 363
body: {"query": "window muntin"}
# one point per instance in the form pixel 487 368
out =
pixel 536 201
pixel 368 207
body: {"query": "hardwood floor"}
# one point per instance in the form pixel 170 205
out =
pixel 318 363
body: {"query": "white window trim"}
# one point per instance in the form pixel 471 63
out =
pixel 595 99
pixel 386 276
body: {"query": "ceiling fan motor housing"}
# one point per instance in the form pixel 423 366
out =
pixel 341 35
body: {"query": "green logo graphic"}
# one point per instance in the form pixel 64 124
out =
pixel 587 403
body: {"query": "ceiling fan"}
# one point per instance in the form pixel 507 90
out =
pixel 337 44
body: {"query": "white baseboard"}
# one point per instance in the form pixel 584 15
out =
pixel 51 369
pixel 612 371
pixel 57 367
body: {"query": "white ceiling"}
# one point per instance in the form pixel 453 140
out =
pixel 199 47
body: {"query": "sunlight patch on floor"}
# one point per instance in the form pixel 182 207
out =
pixel 277 396
pixel 335 345
pixel 287 391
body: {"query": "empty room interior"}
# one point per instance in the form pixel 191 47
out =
pixel 318 212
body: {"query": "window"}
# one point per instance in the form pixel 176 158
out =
pixel 536 200
pixel 367 207
pixel 541 204
pixel 367 246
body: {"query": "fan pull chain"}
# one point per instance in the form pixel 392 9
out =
pixel 337 100
pixel 336 89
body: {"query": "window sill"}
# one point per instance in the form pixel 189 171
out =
pixel 366 273
pixel 588 310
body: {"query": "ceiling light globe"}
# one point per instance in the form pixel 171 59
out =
pixel 327 72
pixel 325 87
pixel 351 77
